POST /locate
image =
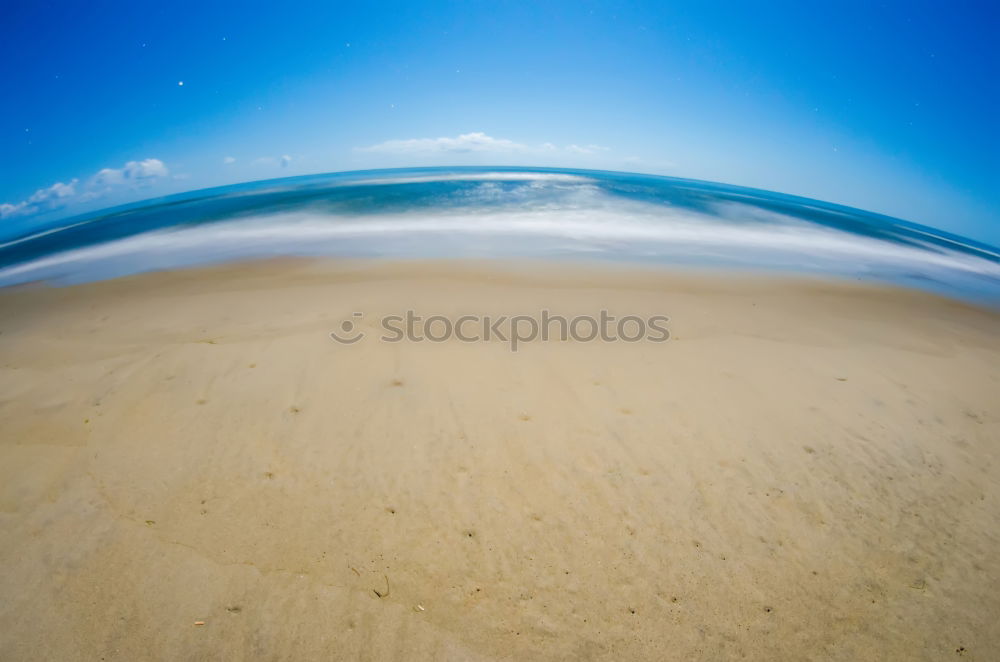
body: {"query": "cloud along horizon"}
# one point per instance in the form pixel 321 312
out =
pixel 476 141
pixel 138 176
pixel 132 175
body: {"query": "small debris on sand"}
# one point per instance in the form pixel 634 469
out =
pixel 380 593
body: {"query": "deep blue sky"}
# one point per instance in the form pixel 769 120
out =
pixel 891 107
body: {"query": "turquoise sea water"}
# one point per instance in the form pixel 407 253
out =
pixel 504 212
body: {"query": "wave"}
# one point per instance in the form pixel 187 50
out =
pixel 495 213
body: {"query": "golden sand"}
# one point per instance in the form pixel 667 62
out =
pixel 190 468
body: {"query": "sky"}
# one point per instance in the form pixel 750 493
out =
pixel 891 107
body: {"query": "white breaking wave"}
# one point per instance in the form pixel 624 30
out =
pixel 618 229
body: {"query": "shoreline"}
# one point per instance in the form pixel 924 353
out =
pixel 557 269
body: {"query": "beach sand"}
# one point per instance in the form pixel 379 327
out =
pixel 192 469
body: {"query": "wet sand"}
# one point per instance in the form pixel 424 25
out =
pixel 190 468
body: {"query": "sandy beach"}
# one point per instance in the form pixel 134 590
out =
pixel 191 468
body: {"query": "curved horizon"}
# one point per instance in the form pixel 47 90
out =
pixel 518 212
pixel 55 224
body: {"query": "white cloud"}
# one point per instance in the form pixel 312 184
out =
pixel 477 142
pixel 228 160
pixel 44 199
pixel 282 161
pixel 647 165
pixel 133 174
pixel 466 142
pixel 137 172
pixel 585 149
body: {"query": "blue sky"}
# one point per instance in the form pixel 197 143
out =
pixel 891 107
